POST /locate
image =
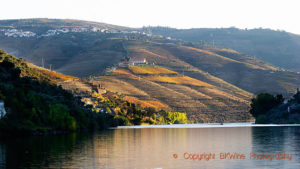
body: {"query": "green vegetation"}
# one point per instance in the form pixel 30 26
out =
pixel 264 102
pixel 267 108
pixel 127 113
pixel 35 105
pixel 143 118
pixel 176 118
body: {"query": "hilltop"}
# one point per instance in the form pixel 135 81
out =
pixel 40 26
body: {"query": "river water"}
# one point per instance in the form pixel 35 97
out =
pixel 176 146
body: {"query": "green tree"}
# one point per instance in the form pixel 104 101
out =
pixel 176 118
pixel 60 118
pixel 264 102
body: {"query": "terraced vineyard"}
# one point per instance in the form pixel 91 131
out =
pixel 225 68
pixel 210 85
pixel 201 101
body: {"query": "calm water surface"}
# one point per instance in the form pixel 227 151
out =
pixel 154 148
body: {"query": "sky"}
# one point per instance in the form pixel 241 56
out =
pixel 274 14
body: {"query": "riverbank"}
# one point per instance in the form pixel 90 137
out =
pixel 205 125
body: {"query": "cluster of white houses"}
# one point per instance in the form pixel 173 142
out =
pixel 17 33
pixel 133 61
pixel 51 32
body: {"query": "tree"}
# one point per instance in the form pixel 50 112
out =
pixel 263 103
pixel 297 96
pixel 176 118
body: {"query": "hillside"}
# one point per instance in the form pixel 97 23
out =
pixel 196 80
pixel 39 100
pixel 216 65
pixel 81 48
pixel 64 45
pixel 34 103
pixel 77 54
pixel 165 89
pixel 198 76
pixel 276 47
pixel 73 38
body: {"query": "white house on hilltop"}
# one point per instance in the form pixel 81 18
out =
pixel 133 61
pixel 137 61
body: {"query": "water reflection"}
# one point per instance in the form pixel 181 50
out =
pixel 151 148
pixel 39 151
pixel 264 139
pixel 2 155
pixel 276 140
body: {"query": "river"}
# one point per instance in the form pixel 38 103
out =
pixel 175 147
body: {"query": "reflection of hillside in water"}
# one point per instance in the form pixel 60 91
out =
pixel 266 137
pixel 39 151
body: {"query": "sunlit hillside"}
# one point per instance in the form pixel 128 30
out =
pixel 67 82
pixel 213 65
pixel 201 101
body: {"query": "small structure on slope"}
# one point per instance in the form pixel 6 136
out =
pixel 137 61
pixel 133 61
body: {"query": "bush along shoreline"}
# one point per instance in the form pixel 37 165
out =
pixel 267 108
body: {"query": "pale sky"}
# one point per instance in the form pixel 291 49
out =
pixel 274 14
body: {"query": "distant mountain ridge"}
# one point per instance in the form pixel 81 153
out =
pixel 41 25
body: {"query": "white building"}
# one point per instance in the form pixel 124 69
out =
pixel 2 109
pixel 137 61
